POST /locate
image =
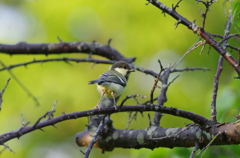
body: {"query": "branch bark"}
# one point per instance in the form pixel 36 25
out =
pixel 93 48
pixel 155 136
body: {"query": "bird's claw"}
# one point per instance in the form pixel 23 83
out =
pixel 96 107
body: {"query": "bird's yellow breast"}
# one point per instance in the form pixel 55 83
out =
pixel 109 88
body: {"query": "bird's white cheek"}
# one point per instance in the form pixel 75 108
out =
pixel 121 71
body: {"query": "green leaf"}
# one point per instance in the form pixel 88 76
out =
pixel 236 14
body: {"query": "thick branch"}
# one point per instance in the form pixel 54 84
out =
pixel 154 136
pixel 64 47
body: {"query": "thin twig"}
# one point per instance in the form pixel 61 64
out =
pixel 23 125
pixel 209 144
pixel 156 81
pixel 149 120
pixel 218 73
pixel 216 35
pixel 54 105
pixel 204 14
pixel 147 102
pixel 82 152
pixel 130 118
pixel 162 98
pixel 2 92
pixel 225 38
pixel 146 71
pixel 48 113
pixel 177 134
pixel 22 85
pixel 65 59
pixel 196 147
pixel 131 96
pixel 95 137
pixel 190 69
pixel 7 147
pixel 215 89
pixel 3 150
pixel 194 46
pixel 232 47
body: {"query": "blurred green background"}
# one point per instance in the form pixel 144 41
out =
pixel 137 30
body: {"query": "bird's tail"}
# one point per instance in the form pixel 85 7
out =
pixel 93 82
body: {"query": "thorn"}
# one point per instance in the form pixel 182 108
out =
pixel 93 65
pixel 102 151
pixel 66 61
pixel 109 42
pixel 90 55
pixel 60 40
pixel 163 12
pixel 177 23
pixel 82 152
pixel 54 126
pixel 149 119
pixel 177 5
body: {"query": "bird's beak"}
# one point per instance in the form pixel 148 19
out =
pixel 132 70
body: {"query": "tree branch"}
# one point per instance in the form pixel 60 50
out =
pixel 94 137
pixel 200 31
pixel 149 137
pixel 93 48
pixel 65 59
pixel 2 92
pixel 218 73
pixel 110 110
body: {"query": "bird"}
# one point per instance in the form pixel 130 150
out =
pixel 112 83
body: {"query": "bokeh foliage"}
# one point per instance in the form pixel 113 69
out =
pixel 236 14
pixel 137 30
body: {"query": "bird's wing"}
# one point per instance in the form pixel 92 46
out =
pixel 108 77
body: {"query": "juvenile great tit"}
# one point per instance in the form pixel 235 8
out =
pixel 112 83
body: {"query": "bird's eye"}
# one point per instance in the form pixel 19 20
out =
pixel 125 67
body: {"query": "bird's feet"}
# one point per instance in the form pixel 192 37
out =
pixel 96 107
pixel 116 107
